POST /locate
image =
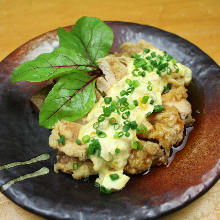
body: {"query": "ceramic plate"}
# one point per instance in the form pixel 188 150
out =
pixel 193 171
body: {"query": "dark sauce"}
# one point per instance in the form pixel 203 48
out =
pixel 175 149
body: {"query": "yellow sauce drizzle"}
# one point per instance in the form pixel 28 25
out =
pixel 41 172
pixel 42 157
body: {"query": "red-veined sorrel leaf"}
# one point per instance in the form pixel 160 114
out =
pixel 71 98
pixel 60 62
pixel 89 36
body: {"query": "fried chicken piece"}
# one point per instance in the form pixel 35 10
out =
pixel 130 48
pixel 167 128
pixel 70 131
pixel 71 157
pixel 141 160
pixel 78 169
pixel 177 97
pixel 113 68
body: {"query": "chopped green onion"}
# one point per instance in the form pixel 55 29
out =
pixel 159 73
pixel 114 176
pixel 136 83
pixel 75 166
pixel 142 129
pixel 101 134
pixel 173 61
pixel 127 134
pixel 135 102
pixel 134 73
pixel 105 190
pixel 143 74
pixel 97 184
pixel 158 108
pixel 149 68
pixel 131 106
pixel 86 139
pixel 153 63
pixel 115 105
pixel 169 58
pixel 148 114
pixel 137 145
pixel 125 115
pixel 112 121
pixel 127 122
pixel 123 93
pixel 118 134
pixel 108 100
pixel 148 58
pixel 152 102
pixel 116 126
pixel 122 109
pixel 197 112
pixel 101 118
pixel 96 125
pixel 126 127
pixel 144 67
pixel 166 88
pixel 134 125
pixel 139 62
pixel 129 82
pixel 94 147
pixel 140 147
pixel 137 56
pixel 146 50
pixel 134 145
pixel 130 90
pixel 117 150
pixel 123 101
pixel 149 86
pixel 144 99
pixel 177 68
pixel 168 70
pixel 108 110
pixel 153 54
pixel 78 141
pixel 61 140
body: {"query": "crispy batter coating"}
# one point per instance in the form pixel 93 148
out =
pixel 141 160
pixel 78 169
pixel 177 97
pixel 113 68
pixel 70 131
pixel 167 128
pixel 130 48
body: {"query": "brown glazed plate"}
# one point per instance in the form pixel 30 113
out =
pixel 163 190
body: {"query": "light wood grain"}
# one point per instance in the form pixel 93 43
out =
pixel 196 21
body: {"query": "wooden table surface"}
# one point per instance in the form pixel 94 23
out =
pixel 196 21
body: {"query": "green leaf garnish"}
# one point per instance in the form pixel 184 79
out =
pixel 71 98
pixel 95 36
pixel 71 65
pixel 60 62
